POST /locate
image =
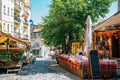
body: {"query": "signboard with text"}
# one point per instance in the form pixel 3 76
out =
pixel 94 62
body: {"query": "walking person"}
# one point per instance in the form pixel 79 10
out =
pixel 57 53
pixel 80 51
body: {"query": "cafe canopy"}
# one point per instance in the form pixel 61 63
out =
pixel 107 35
pixel 112 23
pixel 13 43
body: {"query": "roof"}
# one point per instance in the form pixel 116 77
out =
pixel 36 30
pixel 24 42
pixel 112 22
pixel 2 39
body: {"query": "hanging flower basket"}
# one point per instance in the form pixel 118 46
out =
pixel 99 47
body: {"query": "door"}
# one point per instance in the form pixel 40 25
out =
pixel 115 47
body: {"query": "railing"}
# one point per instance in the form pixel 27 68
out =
pixel 26 12
pixel 17 18
pixel 25 23
pixel 19 35
pixel 17 5
pixel 25 36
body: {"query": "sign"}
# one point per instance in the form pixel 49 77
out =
pixel 94 63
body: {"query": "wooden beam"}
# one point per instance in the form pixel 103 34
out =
pixel 15 39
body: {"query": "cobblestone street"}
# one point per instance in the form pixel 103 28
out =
pixel 40 70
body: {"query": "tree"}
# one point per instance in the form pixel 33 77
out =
pixel 67 18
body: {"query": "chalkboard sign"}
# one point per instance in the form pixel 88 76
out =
pixel 94 62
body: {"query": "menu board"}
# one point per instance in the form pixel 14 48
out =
pixel 94 62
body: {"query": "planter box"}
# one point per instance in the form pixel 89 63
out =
pixel 82 73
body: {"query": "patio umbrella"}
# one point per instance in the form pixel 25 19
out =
pixel 88 36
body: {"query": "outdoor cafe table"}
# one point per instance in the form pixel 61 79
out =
pixel 80 68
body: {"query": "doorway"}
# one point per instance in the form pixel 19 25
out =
pixel 115 47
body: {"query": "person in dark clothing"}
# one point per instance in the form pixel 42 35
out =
pixel 57 53
pixel 80 53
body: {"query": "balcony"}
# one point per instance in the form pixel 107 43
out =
pixel 27 4
pixel 17 19
pixel 22 0
pixel 17 6
pixel 25 36
pixel 25 14
pixel 25 23
pixel 15 34
pixel 19 35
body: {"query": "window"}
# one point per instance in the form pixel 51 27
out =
pixel 15 29
pixel 4 8
pixel 11 28
pixel 8 28
pixel 11 12
pixel 38 35
pixel 8 11
pixel 4 27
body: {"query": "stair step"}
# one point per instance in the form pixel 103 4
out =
pixel 13 69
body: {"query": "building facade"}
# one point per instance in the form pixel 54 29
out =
pixel 118 5
pixel 14 18
pixel 37 42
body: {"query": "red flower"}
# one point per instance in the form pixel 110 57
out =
pixel 99 47
pixel 106 47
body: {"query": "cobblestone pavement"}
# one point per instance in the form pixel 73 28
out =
pixel 40 70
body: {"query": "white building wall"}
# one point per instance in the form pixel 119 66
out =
pixel 7 15
pixel 7 20
pixel 0 15
pixel 23 9
pixel 28 23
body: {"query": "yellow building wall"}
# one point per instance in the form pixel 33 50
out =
pixel 75 47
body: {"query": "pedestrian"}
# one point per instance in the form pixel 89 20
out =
pixel 52 53
pixel 57 53
pixel 32 57
pixel 80 51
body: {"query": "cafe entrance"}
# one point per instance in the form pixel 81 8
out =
pixel 115 47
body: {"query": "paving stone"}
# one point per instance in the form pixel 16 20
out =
pixel 42 69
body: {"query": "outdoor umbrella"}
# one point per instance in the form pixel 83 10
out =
pixel 88 36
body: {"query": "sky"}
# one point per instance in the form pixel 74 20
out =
pixel 40 9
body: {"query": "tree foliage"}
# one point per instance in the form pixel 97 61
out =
pixel 68 17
